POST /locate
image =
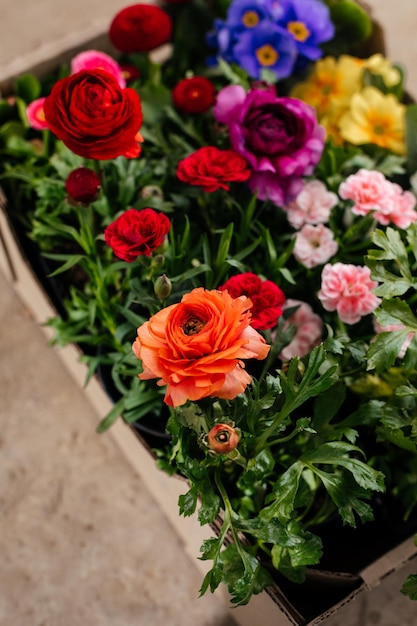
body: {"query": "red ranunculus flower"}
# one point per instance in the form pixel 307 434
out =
pixel 83 185
pixel 266 296
pixel 93 116
pixel 194 95
pixel 211 168
pixel 140 28
pixel 136 233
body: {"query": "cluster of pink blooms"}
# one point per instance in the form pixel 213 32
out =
pixel 348 289
pixel 370 192
pixel 314 243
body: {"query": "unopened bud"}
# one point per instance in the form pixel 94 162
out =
pixel 152 191
pixel 163 287
pixel 223 438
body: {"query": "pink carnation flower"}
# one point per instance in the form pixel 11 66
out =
pixel 371 191
pixel 347 289
pixel 308 330
pixel 36 115
pixel 313 205
pixel 314 245
pixel 93 60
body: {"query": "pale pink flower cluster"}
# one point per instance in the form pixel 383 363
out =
pixel 36 115
pixel 371 191
pixel 93 60
pixel 393 327
pixel 314 245
pixel 308 330
pixel 312 205
pixel 347 289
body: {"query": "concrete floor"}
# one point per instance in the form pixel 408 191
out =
pixel 83 543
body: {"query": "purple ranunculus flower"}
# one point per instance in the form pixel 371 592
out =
pixel 309 23
pixel 267 46
pixel 278 136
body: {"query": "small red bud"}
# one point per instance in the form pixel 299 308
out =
pixel 223 438
pixel 82 185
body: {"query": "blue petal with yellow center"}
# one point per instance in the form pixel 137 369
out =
pixel 267 46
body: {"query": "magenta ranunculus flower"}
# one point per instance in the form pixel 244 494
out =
pixel 35 114
pixel 278 136
pixel 93 60
pixel 347 289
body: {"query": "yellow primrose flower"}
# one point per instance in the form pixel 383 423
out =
pixel 331 83
pixel 377 64
pixel 375 118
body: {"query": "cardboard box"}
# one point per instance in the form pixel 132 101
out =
pixel 323 594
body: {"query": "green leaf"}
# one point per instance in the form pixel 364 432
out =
pixel 385 349
pixel 283 496
pixel 73 260
pixel 188 503
pixel 409 587
pixel 335 453
pixel 27 87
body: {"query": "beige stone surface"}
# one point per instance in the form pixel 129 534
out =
pixel 82 542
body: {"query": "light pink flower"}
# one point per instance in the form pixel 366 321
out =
pixel 313 205
pixel 308 330
pixel 347 289
pixel 35 114
pixel 93 60
pixel 371 191
pixel 399 208
pixel 391 328
pixel 314 245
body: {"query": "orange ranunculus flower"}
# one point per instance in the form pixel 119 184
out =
pixel 195 347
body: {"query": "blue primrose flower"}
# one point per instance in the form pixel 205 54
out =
pixel 309 23
pixel 267 46
pixel 247 14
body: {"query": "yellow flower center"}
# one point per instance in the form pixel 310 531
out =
pixel 250 19
pixel 267 55
pixel 298 30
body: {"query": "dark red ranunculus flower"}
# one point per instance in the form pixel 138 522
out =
pixel 140 28
pixel 211 168
pixel 194 95
pixel 93 116
pixel 266 296
pixel 82 185
pixel 136 233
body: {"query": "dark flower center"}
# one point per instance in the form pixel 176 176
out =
pixel 193 326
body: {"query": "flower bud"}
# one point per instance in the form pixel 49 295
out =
pixel 152 191
pixel 223 438
pixel 82 185
pixel 163 287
